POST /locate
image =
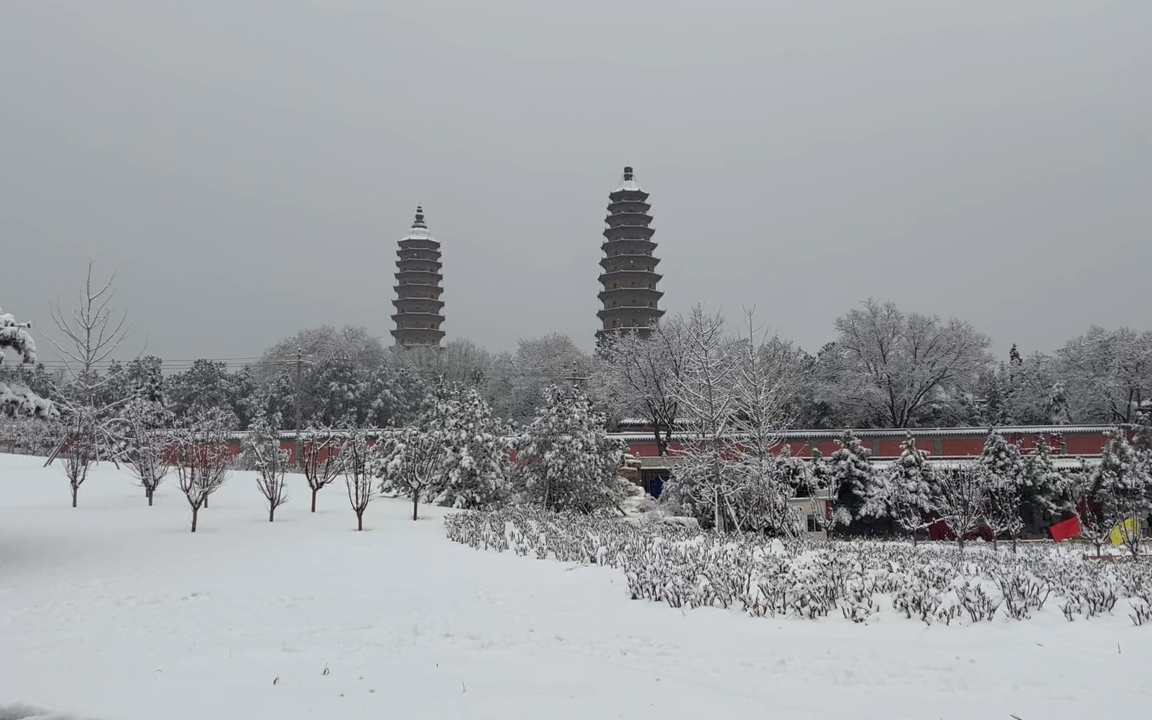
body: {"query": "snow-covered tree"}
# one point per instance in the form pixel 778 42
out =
pixel 1121 492
pixel 204 386
pixel 1107 374
pixel 759 390
pixel 356 464
pixel 960 498
pixel 637 376
pixel 320 458
pixel 1006 487
pixel 1044 485
pixel 904 492
pixel 707 403
pixel 565 459
pixel 891 366
pixel 91 331
pixel 850 478
pixel 516 384
pixel 80 451
pixel 271 463
pixel 145 443
pixel 16 397
pixel 201 456
pixel 475 468
pixel 459 362
pixel 317 345
pixel 408 461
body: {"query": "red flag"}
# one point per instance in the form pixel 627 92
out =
pixel 1066 530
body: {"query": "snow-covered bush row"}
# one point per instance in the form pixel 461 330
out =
pixel 28 436
pixel 685 568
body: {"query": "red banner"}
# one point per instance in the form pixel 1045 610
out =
pixel 1066 530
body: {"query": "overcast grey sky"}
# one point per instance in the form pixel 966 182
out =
pixel 248 166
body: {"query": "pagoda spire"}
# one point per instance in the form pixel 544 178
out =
pixel 630 298
pixel 419 309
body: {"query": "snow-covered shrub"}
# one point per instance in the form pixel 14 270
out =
pixel 685 568
pixel 16 398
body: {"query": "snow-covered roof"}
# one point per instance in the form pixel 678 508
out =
pixel 628 182
pixel 634 430
pixel 419 229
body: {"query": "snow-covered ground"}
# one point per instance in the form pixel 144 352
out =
pixel 114 610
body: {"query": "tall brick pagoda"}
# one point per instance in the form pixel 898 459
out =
pixel 419 309
pixel 631 300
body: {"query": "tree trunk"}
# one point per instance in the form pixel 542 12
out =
pixel 195 512
pixel 359 521
pixel 205 501
pixel 271 513
pixel 662 440
pixel 995 545
pixel 74 491
pixel 314 491
pixel 1014 548
pixel 150 491
pixel 415 505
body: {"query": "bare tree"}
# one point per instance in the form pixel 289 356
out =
pixel 892 365
pixel 357 467
pixel 637 376
pixel 1004 500
pixel 321 459
pixel 271 463
pixel 410 461
pixel 79 456
pixel 707 402
pixel 92 330
pixel 759 392
pixel 960 499
pixel 203 460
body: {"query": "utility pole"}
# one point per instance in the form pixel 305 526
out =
pixel 299 409
pixel 575 379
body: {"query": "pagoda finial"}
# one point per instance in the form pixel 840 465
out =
pixel 628 172
pixel 419 218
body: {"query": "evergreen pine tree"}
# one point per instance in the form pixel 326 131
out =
pixel 904 493
pixel 565 460
pixel 1006 485
pixel 16 398
pixel 475 469
pixel 850 477
pixel 1121 493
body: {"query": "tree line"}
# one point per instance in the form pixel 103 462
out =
pixel 728 395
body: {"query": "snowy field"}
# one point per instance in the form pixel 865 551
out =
pixel 114 610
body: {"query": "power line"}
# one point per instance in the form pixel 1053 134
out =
pixel 182 364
